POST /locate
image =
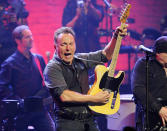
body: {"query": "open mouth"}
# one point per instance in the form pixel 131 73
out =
pixel 67 54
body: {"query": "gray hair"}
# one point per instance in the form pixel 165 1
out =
pixel 63 30
pixel 17 32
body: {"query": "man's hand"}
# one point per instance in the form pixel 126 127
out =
pixel 163 115
pixel 102 97
pixel 109 49
pixel 122 31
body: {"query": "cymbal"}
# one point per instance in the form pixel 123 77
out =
pixel 150 33
pixel 105 32
pixel 135 35
pixel 127 49
pixel 130 20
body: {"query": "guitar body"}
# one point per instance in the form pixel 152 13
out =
pixel 103 82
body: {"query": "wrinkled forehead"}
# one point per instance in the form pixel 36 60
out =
pixel 26 32
pixel 65 38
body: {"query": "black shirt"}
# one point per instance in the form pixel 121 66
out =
pixel 20 77
pixel 60 76
pixel 157 83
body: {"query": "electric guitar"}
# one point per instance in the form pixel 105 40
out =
pixel 105 80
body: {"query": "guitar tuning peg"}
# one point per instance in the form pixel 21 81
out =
pixel 120 14
pixel 122 11
pixel 125 4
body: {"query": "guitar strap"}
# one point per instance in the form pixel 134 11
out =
pixel 49 99
pixel 47 102
pixel 39 68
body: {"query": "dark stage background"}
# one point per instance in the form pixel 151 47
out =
pixel 145 20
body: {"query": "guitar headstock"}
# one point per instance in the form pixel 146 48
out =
pixel 125 13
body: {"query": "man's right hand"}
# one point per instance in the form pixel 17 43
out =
pixel 102 97
pixel 163 115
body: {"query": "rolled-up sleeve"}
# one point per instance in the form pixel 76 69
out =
pixel 54 79
pixel 93 58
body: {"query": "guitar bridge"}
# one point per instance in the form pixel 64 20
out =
pixel 114 100
pixel 104 89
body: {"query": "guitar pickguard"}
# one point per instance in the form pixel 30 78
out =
pixel 111 83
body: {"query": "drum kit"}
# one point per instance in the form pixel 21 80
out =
pixel 8 110
pixel 147 33
pixel 11 109
pixel 12 12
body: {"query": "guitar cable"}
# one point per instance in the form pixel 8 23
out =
pixel 94 61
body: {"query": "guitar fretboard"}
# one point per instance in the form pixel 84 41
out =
pixel 115 54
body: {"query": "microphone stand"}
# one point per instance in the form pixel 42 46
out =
pixel 147 90
pixel 148 53
pixel 108 18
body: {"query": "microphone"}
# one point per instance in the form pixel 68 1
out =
pixel 80 3
pixel 145 49
pixel 48 55
pixel 108 4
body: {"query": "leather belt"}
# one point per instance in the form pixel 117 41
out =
pixel 69 114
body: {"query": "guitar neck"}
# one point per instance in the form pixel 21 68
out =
pixel 115 55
